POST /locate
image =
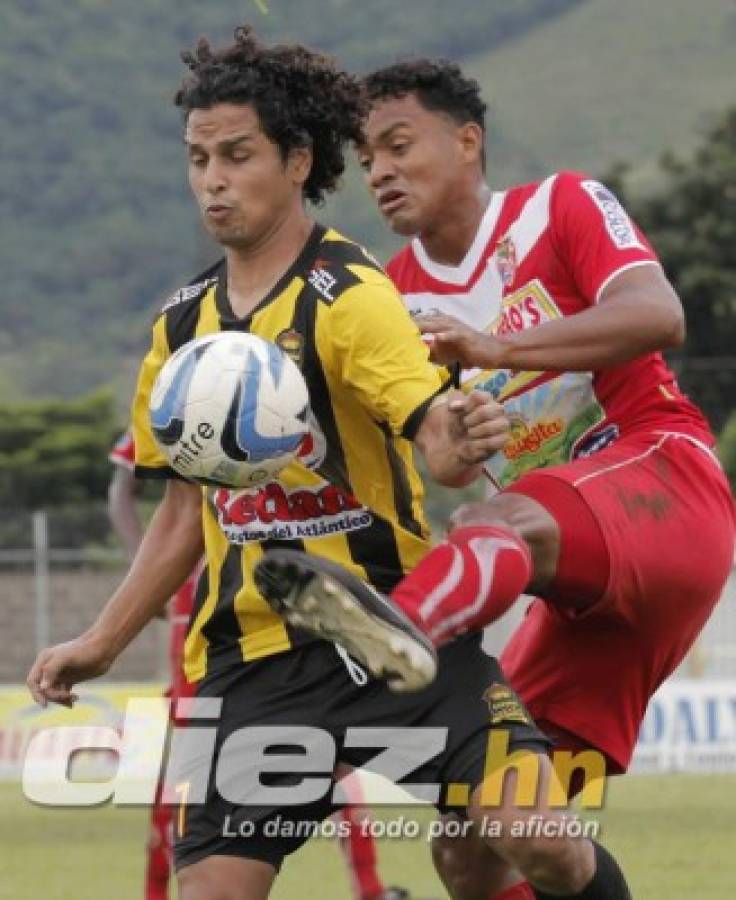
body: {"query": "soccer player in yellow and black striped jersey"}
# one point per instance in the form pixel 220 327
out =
pixel 354 496
pixel 265 131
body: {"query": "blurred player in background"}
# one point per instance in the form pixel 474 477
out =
pixel 355 841
pixel 608 490
pixel 123 511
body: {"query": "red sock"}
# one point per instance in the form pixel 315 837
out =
pixel 521 891
pixel 159 854
pixel 466 582
pixel 358 847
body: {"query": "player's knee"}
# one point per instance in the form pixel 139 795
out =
pixel 204 881
pixel 205 890
pixel 468 868
pixel 559 863
pixel 524 516
pixel 446 865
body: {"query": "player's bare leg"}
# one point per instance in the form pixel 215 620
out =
pixel 524 517
pixel 226 878
pixel 538 843
pixel 470 869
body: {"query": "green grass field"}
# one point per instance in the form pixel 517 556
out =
pixel 675 836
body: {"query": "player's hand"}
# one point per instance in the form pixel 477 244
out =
pixel 478 426
pixel 57 669
pixel 451 341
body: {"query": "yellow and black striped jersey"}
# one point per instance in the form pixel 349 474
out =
pixel 354 495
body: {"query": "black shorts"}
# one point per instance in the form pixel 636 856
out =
pixel 311 688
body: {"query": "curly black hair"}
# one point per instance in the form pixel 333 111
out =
pixel 438 84
pixel 300 97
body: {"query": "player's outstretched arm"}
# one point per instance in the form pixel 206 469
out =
pixel 459 432
pixel 637 313
pixel 168 552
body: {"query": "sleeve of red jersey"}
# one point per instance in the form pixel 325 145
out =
pixel 123 452
pixel 594 235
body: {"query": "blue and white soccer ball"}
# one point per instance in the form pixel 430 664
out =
pixel 229 409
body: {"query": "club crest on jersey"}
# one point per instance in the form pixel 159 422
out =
pixel 505 257
pixel 504 705
pixel 292 343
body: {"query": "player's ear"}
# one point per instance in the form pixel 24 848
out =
pixel 471 141
pixel 299 163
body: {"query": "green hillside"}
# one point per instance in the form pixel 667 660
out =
pixel 97 224
pixel 609 80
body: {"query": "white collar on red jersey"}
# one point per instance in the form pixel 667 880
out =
pixel 461 273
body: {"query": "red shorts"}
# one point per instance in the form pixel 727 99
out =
pixel 665 511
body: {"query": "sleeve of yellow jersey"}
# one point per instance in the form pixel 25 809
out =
pixel 149 461
pixel 377 351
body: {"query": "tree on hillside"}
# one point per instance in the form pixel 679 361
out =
pixel 691 222
pixel 55 452
pixel 727 449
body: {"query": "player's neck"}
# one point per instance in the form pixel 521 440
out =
pixel 448 240
pixel 253 271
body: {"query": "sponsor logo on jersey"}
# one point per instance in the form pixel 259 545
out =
pixel 524 439
pixel 596 441
pixel 321 280
pixel 619 226
pixel 527 307
pixel 190 292
pixel 505 257
pixel 417 312
pixel 504 705
pixel 274 512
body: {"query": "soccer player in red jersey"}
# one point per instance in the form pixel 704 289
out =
pixel 610 505
pixel 611 500
pixel 609 489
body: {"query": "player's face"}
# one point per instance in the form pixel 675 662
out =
pixel 242 184
pixel 415 162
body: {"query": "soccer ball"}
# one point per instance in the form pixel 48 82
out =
pixel 229 409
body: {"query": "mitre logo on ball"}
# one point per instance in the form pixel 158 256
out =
pixel 230 409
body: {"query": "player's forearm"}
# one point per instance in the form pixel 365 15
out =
pixel 170 549
pixel 602 336
pixel 447 469
pixel 452 450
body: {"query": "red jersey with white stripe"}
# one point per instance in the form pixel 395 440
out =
pixel 543 251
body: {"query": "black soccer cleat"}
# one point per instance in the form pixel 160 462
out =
pixel 397 893
pixel 327 600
